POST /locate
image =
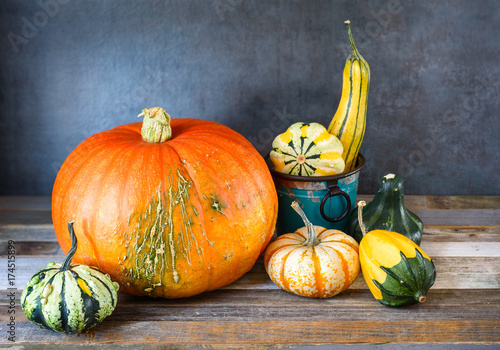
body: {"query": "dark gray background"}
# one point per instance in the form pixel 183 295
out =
pixel 69 69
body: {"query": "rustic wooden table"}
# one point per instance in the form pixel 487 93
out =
pixel 462 311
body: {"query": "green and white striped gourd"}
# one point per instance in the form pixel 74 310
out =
pixel 69 298
pixel 307 150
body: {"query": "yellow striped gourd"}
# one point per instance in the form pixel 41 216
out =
pixel 307 150
pixel 349 122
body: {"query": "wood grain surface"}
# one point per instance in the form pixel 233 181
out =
pixel 462 310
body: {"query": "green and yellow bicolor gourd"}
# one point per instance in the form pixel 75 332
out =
pixel 397 271
pixel 307 150
pixel 69 298
pixel 349 121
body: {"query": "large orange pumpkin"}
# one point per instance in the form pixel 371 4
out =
pixel 166 219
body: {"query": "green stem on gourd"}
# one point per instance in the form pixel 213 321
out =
pixel 155 125
pixel 312 239
pixel 390 188
pixel 67 261
pixel 361 204
pixel 354 49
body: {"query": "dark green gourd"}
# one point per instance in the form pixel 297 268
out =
pixel 387 211
pixel 69 298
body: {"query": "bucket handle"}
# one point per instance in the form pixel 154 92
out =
pixel 334 190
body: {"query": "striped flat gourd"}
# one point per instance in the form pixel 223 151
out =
pixel 349 122
pixel 69 298
pixel 307 150
pixel 312 261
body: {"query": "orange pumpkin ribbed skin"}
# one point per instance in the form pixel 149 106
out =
pixel 321 270
pixel 170 219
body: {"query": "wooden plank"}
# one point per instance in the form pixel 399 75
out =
pixel 467 280
pixel 472 217
pixel 153 346
pixel 433 249
pixel 469 216
pixel 361 307
pixel 25 202
pixel 33 248
pixel 20 233
pixel 437 298
pixel 452 273
pixel 461 249
pixel 45 233
pixel 453 210
pixel 466 217
pixel 429 202
pixel 369 312
pixel 260 298
pixel 25 217
pixel 25 269
pixel 413 202
pixel 443 265
pixel 24 236
pixel 44 202
pixel 464 265
pixel 486 265
pixel 239 308
pixel 462 202
pixel 276 332
pixel 443 281
pixel 461 233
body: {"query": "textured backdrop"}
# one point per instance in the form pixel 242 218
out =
pixel 69 69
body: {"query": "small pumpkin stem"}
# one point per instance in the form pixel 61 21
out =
pixel 312 239
pixel 361 204
pixel 155 125
pixel 422 298
pixel 67 261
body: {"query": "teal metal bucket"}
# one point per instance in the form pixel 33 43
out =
pixel 327 200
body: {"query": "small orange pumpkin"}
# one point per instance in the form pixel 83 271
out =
pixel 312 261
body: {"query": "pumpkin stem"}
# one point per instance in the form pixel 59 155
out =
pixel 354 50
pixel 156 125
pixel 361 204
pixel 312 239
pixel 67 261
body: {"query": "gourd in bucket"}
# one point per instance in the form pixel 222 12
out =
pixel 307 150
